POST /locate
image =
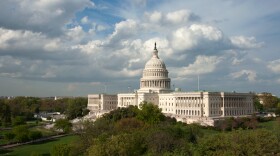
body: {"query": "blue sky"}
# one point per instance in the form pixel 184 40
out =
pixel 74 48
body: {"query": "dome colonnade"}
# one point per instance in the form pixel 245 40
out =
pixel 155 75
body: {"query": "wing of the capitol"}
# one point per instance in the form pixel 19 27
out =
pixel 191 107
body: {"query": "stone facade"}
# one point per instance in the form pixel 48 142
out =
pixel 97 102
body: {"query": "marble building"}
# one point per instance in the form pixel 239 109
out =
pixel 200 107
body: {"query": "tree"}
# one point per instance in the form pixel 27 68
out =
pixel 21 133
pixel 269 100
pixel 150 113
pixel 277 111
pixel 61 150
pixel 128 124
pixel 257 105
pixel 18 120
pixel 122 144
pixel 64 125
pixel 76 108
pixel 239 142
pixel 33 135
pixel 5 113
pixel 9 136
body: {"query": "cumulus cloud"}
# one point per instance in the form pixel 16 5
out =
pixel 245 42
pixel 198 36
pixel 236 61
pixel 124 30
pixel 154 17
pixel 274 66
pixel 46 16
pixel 250 75
pixel 84 20
pixel 181 16
pixel 174 18
pixel 20 39
pixel 202 65
pixel 55 46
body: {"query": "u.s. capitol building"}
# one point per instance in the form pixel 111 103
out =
pixel 201 106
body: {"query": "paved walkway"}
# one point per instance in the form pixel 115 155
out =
pixel 34 141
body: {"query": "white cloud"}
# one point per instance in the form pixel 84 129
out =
pixel 245 42
pixel 37 52
pixel 46 16
pixel 202 65
pixel 274 66
pixel 182 39
pixel 186 38
pixel 75 34
pixel 177 17
pixel 125 29
pixel 19 39
pixel 154 17
pixel 85 20
pixel 209 32
pixel 250 75
pixel 236 61
pixel 91 47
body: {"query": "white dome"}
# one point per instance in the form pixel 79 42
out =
pixel 155 75
pixel 155 63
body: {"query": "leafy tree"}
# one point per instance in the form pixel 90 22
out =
pixel 18 120
pixel 76 107
pixel 9 136
pixel 64 125
pixel 150 113
pixel 128 124
pixel 5 113
pixel 21 133
pixel 269 100
pixel 240 142
pixel 61 150
pixel 193 133
pixel 33 135
pixel 121 113
pixel 160 141
pixel 122 144
pixel 258 106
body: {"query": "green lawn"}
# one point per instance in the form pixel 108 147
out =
pixel 43 148
pixel 273 126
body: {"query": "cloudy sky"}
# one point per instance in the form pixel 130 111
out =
pixel 78 47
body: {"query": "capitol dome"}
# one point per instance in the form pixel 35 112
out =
pixel 155 75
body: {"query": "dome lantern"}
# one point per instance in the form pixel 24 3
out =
pixel 155 53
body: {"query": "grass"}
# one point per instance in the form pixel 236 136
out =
pixel 33 127
pixel 273 126
pixel 45 132
pixel 42 148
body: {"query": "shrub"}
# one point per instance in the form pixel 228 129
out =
pixel 33 135
pixel 21 133
pixel 60 150
pixel 9 136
